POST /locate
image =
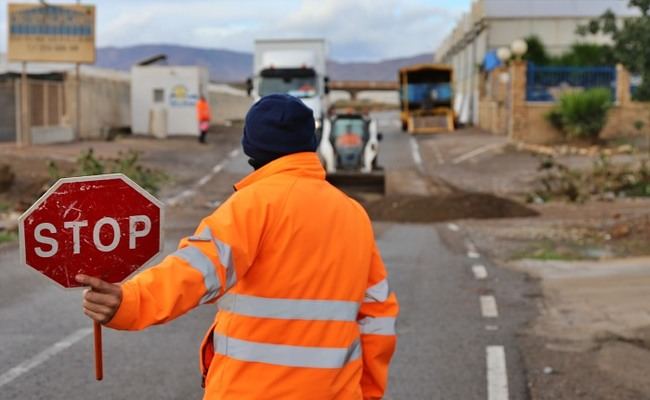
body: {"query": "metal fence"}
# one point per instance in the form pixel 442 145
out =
pixel 47 103
pixel 549 83
pixel 7 111
pixel 635 82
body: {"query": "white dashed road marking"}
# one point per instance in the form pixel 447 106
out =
pixel 415 152
pixel 497 373
pixel 43 356
pixel 476 152
pixel 479 272
pixel 453 227
pixel 188 193
pixel 489 307
pixel 472 252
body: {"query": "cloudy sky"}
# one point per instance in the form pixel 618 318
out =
pixel 355 29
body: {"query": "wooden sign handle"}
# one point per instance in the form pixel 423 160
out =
pixel 99 361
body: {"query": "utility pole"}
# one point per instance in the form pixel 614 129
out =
pixel 78 96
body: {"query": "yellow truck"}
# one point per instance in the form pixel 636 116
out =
pixel 426 98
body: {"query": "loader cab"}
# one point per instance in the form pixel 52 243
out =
pixel 350 134
pixel 349 152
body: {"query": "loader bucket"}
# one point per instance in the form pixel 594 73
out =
pixel 358 182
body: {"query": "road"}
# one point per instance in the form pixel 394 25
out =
pixel 456 329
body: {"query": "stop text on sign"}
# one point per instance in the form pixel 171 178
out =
pixel 139 226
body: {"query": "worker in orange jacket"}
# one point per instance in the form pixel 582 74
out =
pixel 203 116
pixel 304 306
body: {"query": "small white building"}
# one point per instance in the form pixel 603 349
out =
pixel 163 99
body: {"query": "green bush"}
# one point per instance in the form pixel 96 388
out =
pixel 126 163
pixel 6 236
pixel 582 114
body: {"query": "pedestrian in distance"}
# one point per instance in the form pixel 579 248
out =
pixel 203 116
pixel 304 306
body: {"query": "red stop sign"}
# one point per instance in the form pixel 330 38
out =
pixel 104 226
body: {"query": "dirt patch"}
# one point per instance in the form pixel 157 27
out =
pixel 592 231
pixel 611 238
pixel 594 327
pixel 6 177
pixel 31 180
pixel 562 375
pixel 427 209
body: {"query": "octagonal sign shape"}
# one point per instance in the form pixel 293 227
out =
pixel 104 226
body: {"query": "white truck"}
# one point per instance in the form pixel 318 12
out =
pixel 292 66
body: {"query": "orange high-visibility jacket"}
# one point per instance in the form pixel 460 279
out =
pixel 203 111
pixel 304 307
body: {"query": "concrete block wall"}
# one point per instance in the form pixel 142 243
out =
pixel 105 104
pixel 227 103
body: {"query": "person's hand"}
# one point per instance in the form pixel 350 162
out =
pixel 101 300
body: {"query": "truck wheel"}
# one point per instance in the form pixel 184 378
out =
pixel 404 126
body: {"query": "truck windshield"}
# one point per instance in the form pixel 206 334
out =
pixel 302 87
pixel 434 93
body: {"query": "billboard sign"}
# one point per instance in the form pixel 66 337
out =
pixel 51 33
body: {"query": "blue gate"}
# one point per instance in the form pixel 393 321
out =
pixel 546 83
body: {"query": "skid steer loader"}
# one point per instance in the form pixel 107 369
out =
pixel 349 149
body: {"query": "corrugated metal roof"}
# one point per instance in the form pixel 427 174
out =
pixel 555 8
pixel 49 68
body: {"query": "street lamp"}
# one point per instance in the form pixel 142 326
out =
pixel 519 47
pixel 504 54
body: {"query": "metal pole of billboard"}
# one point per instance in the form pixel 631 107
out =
pixel 78 95
pixel 77 129
pixel 24 138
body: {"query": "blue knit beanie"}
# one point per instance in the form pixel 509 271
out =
pixel 278 125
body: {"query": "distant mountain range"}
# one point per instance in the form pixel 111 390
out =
pixel 234 66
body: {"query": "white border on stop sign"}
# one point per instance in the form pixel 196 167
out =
pixel 87 178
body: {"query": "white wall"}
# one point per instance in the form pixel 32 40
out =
pixel 557 34
pixel 181 88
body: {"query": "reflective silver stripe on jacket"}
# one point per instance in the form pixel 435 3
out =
pixel 225 255
pixel 377 326
pixel 377 293
pixel 286 355
pixel 314 310
pixel 224 251
pixel 202 263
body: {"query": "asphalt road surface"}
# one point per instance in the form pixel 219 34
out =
pixel 456 328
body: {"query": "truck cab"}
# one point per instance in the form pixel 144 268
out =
pixel 294 67
pixel 426 98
